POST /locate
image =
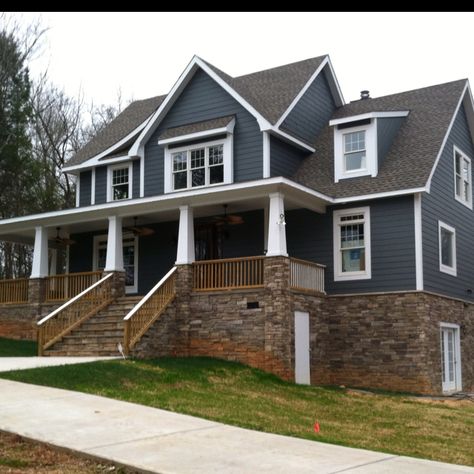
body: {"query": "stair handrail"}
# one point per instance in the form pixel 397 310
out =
pixel 134 326
pixel 75 317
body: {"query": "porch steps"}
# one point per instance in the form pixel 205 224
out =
pixel 99 335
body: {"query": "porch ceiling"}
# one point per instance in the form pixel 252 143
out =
pixel 206 202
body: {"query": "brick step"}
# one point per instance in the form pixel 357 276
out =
pixel 98 327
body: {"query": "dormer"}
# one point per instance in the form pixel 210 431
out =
pixel 362 141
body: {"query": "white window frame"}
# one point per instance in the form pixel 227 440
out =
pixel 459 198
pixel 110 170
pixel 339 275
pixel 227 144
pixel 371 155
pixel 445 268
pixel 457 354
pixel 98 239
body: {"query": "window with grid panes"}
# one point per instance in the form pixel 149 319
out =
pixel 120 184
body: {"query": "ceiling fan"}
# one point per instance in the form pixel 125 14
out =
pixel 139 230
pixel 229 219
pixel 63 240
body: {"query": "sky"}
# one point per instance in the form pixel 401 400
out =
pixel 143 54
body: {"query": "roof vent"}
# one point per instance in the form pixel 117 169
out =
pixel 364 95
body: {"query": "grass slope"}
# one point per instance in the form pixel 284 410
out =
pixel 15 348
pixel 238 395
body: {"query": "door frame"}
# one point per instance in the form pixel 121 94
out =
pixel 95 257
pixel 457 356
pixel 303 349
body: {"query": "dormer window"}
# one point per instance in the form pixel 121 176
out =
pixel 354 151
pixel 356 142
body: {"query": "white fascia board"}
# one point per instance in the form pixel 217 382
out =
pixel 196 135
pixel 291 139
pixel 302 92
pixel 369 115
pixel 94 161
pixel 334 84
pixel 364 197
pixel 445 139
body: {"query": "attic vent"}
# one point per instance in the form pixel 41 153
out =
pixel 364 95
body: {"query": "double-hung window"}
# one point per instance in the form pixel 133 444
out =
pixel 352 244
pixel 197 166
pixel 447 248
pixel 354 151
pixel 462 178
pixel 119 182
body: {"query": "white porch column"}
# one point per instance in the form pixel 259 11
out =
pixel 54 262
pixel 39 268
pixel 114 258
pixel 185 252
pixel 276 226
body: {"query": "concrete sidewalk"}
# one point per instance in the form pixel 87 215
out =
pixel 163 442
pixel 20 363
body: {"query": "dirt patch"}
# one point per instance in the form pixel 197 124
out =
pixel 18 455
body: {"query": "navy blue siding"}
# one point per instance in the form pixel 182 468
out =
pixel 136 179
pixel 204 99
pixel 85 188
pixel 100 184
pixel 310 237
pixel 285 159
pixel 441 204
pixel 387 129
pixel 312 112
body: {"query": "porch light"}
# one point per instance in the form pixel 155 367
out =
pixel 281 221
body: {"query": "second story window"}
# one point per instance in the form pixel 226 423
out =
pixel 119 179
pixel 354 151
pixel 198 167
pixel 462 178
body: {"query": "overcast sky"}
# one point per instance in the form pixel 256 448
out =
pixel 143 54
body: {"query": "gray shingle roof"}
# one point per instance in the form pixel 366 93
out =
pixel 196 127
pixel 120 127
pixel 271 91
pixel 413 152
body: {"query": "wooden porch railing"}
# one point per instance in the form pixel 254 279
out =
pixel 63 287
pixel 148 310
pixel 14 291
pixel 72 313
pixel 229 273
pixel 307 276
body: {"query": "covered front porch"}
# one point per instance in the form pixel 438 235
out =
pixel 224 233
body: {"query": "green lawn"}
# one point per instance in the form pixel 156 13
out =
pixel 238 395
pixel 15 348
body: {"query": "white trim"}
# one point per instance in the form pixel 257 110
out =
pixel 457 354
pixel 365 197
pixel 148 295
pixel 93 186
pixel 185 253
pixel 369 115
pixel 334 84
pixel 371 152
pixel 72 300
pixel 78 190
pixel 276 226
pixel 302 92
pixel 142 176
pixel 266 154
pixel 114 257
pixel 358 275
pixel 229 128
pixel 292 139
pixel 463 157
pixel 445 268
pixel 445 139
pixel 110 170
pixel 94 161
pixel 418 241
pixel 228 162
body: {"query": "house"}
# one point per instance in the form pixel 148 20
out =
pixel 262 219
